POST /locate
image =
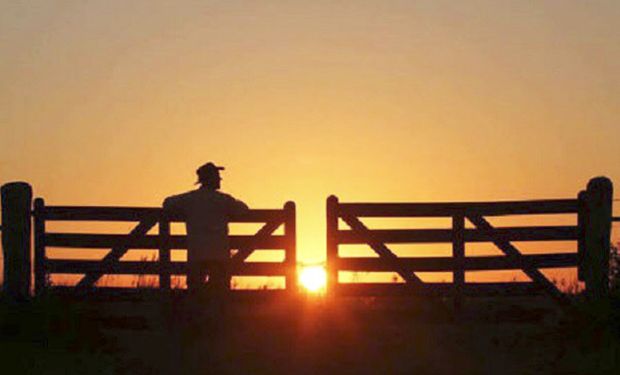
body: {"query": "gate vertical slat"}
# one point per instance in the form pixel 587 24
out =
pixel 39 246
pixel 332 243
pixel 164 253
pixel 458 253
pixel 582 216
pixel 290 257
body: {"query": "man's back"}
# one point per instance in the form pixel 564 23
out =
pixel 207 213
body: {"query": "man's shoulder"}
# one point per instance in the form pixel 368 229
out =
pixel 222 195
pixel 180 197
pixel 225 197
pixel 201 194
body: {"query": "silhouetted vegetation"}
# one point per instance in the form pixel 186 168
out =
pixel 492 335
pixel 50 336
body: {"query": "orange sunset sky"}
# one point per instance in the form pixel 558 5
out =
pixel 117 103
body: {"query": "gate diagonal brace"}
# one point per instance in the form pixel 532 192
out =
pixel 514 254
pixel 384 252
pixel 411 279
pixel 117 252
pixel 244 252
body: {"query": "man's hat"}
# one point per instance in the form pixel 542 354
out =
pixel 208 171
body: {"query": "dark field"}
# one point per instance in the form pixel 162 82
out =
pixel 490 336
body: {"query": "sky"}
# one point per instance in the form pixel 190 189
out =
pixel 117 103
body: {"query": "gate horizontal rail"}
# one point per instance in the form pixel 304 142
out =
pixel 153 294
pixel 447 264
pixel 530 207
pixel 153 241
pixel 154 267
pixel 546 233
pixel 440 289
pixel 106 213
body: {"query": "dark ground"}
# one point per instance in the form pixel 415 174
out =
pixel 313 336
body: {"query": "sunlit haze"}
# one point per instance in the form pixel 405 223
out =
pixel 117 103
pixel 313 278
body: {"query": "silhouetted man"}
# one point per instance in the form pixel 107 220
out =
pixel 206 212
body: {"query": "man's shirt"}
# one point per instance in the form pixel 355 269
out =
pixel 206 213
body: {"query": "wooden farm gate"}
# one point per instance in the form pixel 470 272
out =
pixel 591 236
pixel 163 241
pixel 593 209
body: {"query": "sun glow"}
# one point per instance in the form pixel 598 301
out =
pixel 313 278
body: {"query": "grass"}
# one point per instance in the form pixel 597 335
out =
pixel 493 335
pixel 313 335
pixel 49 336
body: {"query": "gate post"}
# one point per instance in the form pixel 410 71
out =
pixel 332 244
pixel 16 232
pixel 598 211
pixel 290 257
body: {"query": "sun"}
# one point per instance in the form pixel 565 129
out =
pixel 313 278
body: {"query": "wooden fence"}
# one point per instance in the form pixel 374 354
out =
pixel 593 208
pixel 591 235
pixel 163 241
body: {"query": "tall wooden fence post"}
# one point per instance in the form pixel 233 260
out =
pixel 597 233
pixel 290 258
pixel 16 231
pixel 332 244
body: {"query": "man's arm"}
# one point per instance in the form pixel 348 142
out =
pixel 174 205
pixel 236 207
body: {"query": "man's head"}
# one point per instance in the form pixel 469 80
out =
pixel 209 175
